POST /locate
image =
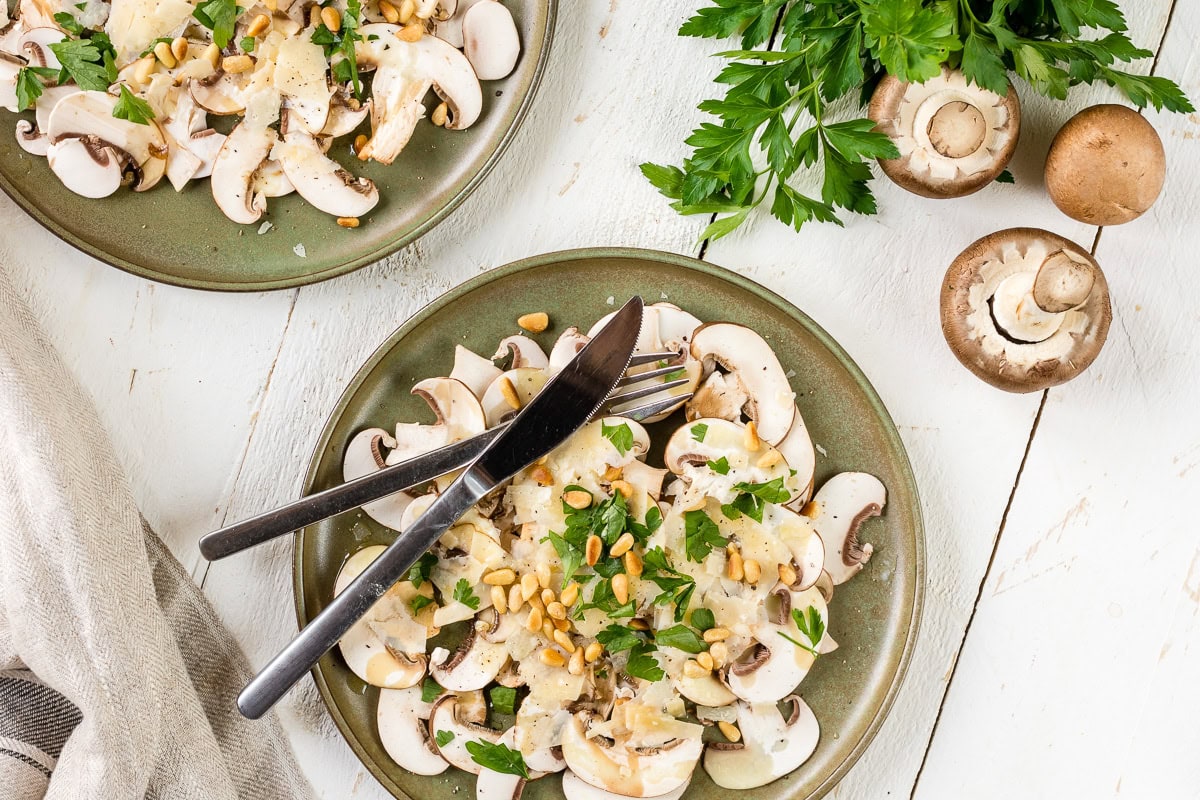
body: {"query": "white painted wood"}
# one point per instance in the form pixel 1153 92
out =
pixel 1078 678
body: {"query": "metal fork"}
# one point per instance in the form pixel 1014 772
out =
pixel 424 468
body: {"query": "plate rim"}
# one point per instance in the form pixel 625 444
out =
pixel 344 268
pixel 891 432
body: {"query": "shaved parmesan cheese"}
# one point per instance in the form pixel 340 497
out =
pixel 300 71
pixel 452 612
pixel 133 25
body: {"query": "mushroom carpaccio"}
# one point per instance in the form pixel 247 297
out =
pixel 130 100
pixel 603 611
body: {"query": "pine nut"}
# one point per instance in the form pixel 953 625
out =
pixel 569 594
pixel 534 623
pixel 314 16
pixel 692 669
pixel 548 629
pixel 752 571
pixel 212 54
pixel 509 393
pixel 515 598
pixel 633 564
pixel 162 51
pixel 720 653
pixel 542 570
pixel 541 475
pixel 407 9
pixel 620 587
pixel 717 635
pixel 578 499
pixel 705 660
pixel 575 665
pixel 238 64
pixel 348 222
pixel 591 551
pixel 529 585
pixel 811 509
pixel 535 322
pixel 623 487
pixel 622 545
pixel 562 624
pixel 500 577
pixel 272 5
pixel 556 610
pixel 552 658
pixel 639 624
pixel 499 599
pixel 412 32
pixel 750 437
pixel 259 24
pixel 179 48
pixel 548 597
pixel 144 69
pixel 536 602
pixel 788 575
pixel 389 12
pixel 612 473
pixel 332 18
pixel 563 639
pixel 734 569
pixel 770 458
pixel 593 652
pixel 730 731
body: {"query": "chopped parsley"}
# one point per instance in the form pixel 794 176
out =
pixel 621 436
pixel 220 17
pixel 699 431
pixel 703 619
pixel 247 44
pixel 68 23
pixel 504 699
pixel 419 602
pixel 701 535
pixel 617 638
pixel 29 85
pixel 419 572
pixel 653 521
pixel 443 738
pixel 430 690
pixel 91 62
pixel 498 758
pixel 720 466
pixel 643 664
pixel 604 600
pixel 682 638
pixel 754 497
pixel 132 108
pixel 464 594
pixel 811 625
pixel 345 70
pixel 607 519
pixel 676 588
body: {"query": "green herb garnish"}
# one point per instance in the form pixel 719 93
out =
pixel 699 431
pixel 132 108
pixel 811 625
pixel 68 23
pixel 443 738
pixel 616 638
pixel 419 572
pixel 464 594
pixel 89 62
pixel 720 466
pixel 701 535
pixel 643 664
pixel 498 758
pixel 220 17
pixel 754 497
pixel 703 619
pixel 430 690
pixel 504 699
pixel 419 602
pixel 621 436
pixel 676 588
pixel 681 637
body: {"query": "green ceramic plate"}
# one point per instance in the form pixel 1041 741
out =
pixel 874 616
pixel 184 238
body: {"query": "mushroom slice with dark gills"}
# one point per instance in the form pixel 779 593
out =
pixel 456 729
pixel 86 165
pixel 620 767
pixel 473 665
pixel 386 648
pixel 954 137
pixel 320 180
pixel 492 785
pixel 773 666
pixel 771 745
pixel 1025 309
pixel 839 509
pixel 576 788
pixel 244 150
pixel 401 717
pixel 90 114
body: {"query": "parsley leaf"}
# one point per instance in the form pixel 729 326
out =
pixel 464 594
pixel 653 521
pixel 419 602
pixel 754 497
pixel 443 738
pixel 616 638
pixel 29 86
pixel 811 625
pixel 720 466
pixel 569 546
pixel 681 637
pixel 247 44
pixel 703 619
pixel 430 690
pixel 676 588
pixel 90 66
pixel 68 23
pixel 699 431
pixel 604 600
pixel 643 664
pixel 419 572
pixel 498 758
pixel 621 436
pixel 504 699
pixel 701 535
pixel 220 17
pixel 132 108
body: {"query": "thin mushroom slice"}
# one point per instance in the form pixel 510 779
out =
pixel 400 718
pixel 771 745
pixel 446 717
pixel 576 788
pixel 473 370
pixel 10 68
pixel 524 352
pixel 244 150
pixel 706 691
pixel 774 666
pixel 492 785
pixel 797 449
pixel 568 344
pixel 85 165
pixel 90 114
pixel 626 770
pixel 32 138
pixel 366 454
pixel 490 40
pixel 840 507
pixel 750 362
pixel 324 183
pixel 511 392
pixel 474 665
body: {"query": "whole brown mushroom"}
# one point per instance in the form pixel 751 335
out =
pixel 954 137
pixel 1106 166
pixel 1025 309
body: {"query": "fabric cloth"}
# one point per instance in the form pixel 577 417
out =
pixel 117 680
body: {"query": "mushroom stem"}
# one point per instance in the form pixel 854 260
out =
pixel 1062 283
pixel 957 129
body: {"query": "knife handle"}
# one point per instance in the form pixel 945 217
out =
pixel 315 507
pixel 332 623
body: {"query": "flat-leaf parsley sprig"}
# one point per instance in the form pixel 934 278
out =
pixel 774 119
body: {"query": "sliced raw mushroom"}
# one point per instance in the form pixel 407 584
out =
pixel 840 507
pixel 404 733
pixel 142 147
pixel 524 351
pixel 694 451
pixel 447 720
pixel 35 46
pixel 627 770
pixel 86 165
pixel 576 788
pixel 954 137
pixel 706 691
pixel 490 40
pixel 367 453
pixel 459 414
pixel 771 745
pixel 193 145
pixel 473 370
pixel 344 119
pixel 474 665
pixel 492 785
pixel 386 648
pixel 511 392
pixel 32 138
pixel 801 456
pixel 800 535
pixel 1025 309
pixel 568 344
pixel 404 74
pixel 324 183
pixel 451 28
pixel 269 180
pixel 753 384
pixel 10 67
pixel 244 150
pixel 773 666
pixel 300 69
pixel 221 93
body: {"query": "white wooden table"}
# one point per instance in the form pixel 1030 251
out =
pixel 1060 646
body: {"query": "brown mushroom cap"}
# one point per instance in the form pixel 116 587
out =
pixel 969 320
pixel 956 131
pixel 1106 166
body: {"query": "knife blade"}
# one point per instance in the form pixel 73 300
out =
pixel 561 408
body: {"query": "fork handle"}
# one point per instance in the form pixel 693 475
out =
pixel 352 494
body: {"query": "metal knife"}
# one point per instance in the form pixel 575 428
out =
pixel 561 408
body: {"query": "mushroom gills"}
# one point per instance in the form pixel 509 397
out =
pixel 771 746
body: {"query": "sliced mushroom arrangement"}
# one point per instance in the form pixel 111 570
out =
pixel 606 618
pixel 143 77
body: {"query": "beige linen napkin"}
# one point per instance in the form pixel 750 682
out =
pixel 117 680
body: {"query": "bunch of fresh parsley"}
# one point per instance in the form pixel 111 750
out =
pixel 774 118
